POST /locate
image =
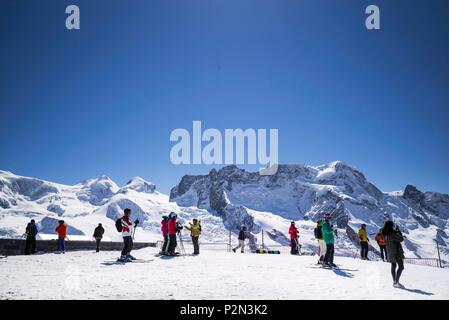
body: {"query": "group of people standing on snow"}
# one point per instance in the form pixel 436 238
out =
pixel 171 227
pixel 388 238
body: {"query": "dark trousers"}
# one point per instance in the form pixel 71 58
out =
pixel 364 249
pixel 383 252
pixel 329 257
pixel 172 243
pixel 196 245
pixel 61 245
pixel 30 245
pixel 396 274
pixel 294 246
pixel 97 241
pixel 127 245
pixel 165 244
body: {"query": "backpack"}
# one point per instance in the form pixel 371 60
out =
pixel 118 224
pixel 318 233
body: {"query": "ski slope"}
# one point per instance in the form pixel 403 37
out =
pixel 214 274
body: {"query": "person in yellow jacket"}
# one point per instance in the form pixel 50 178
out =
pixel 363 237
pixel 195 232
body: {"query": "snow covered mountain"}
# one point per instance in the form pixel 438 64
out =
pixel 228 198
pixel 305 193
pixel 88 203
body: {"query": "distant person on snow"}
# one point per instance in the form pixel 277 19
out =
pixel 61 229
pixel 31 233
pixel 127 234
pixel 294 232
pixel 382 246
pixel 393 238
pixel 328 236
pixel 195 232
pixel 98 235
pixel 242 237
pixel 363 237
pixel 318 232
pixel 172 228
pixel 164 229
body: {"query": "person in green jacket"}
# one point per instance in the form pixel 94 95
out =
pixel 328 236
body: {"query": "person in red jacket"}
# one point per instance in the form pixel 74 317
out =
pixel 164 229
pixel 172 229
pixel 61 229
pixel 294 232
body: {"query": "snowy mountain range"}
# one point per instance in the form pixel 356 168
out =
pixel 228 198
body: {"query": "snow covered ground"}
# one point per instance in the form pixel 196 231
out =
pixel 215 274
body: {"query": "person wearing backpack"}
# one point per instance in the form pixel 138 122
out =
pixel 164 229
pixel 382 245
pixel 318 232
pixel 195 231
pixel 294 232
pixel 363 237
pixel 31 232
pixel 172 228
pixel 98 235
pixel 242 237
pixel 127 228
pixel 328 237
pixel 61 229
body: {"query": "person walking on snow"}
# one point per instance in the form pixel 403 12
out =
pixel 172 230
pixel 31 233
pixel 393 238
pixel 164 229
pixel 242 237
pixel 363 237
pixel 318 232
pixel 328 236
pixel 127 233
pixel 294 232
pixel 98 235
pixel 195 232
pixel 61 229
pixel 382 246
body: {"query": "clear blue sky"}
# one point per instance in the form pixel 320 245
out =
pixel 104 99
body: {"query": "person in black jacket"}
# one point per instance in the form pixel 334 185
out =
pixel 242 237
pixel 98 235
pixel 31 232
pixel 393 238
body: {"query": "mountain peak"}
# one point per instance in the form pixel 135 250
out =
pixel 138 184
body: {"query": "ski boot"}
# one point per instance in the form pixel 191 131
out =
pixel 131 257
pixel 124 259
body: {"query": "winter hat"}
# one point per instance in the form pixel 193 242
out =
pixel 327 216
pixel 293 222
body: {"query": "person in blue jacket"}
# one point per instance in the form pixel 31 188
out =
pixel 328 236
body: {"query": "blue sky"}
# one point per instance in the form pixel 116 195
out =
pixel 104 99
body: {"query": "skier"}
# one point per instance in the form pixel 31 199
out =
pixel 393 238
pixel 172 228
pixel 127 233
pixel 98 235
pixel 328 236
pixel 381 242
pixel 363 237
pixel 318 232
pixel 293 231
pixel 164 229
pixel 31 232
pixel 195 232
pixel 242 237
pixel 61 229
